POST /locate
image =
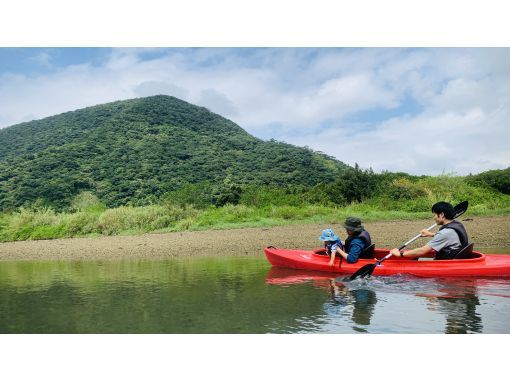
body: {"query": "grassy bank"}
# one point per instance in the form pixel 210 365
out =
pixel 394 198
pixel 47 224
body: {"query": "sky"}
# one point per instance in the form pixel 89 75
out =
pixel 417 110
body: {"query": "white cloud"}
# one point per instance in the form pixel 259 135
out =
pixel 43 58
pixel 349 103
pixel 462 143
pixel 217 101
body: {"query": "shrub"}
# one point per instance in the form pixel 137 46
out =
pixel 81 223
pixel 86 201
pixel 403 188
pixel 498 180
pixel 196 194
pixel 226 194
pixel 356 185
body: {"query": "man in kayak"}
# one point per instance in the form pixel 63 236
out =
pixel 357 240
pixel 447 242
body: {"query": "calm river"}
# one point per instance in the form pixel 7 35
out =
pixel 238 295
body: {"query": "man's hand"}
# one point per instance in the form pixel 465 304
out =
pixel 395 252
pixel 426 233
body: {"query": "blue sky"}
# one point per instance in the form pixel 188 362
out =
pixel 422 111
pixel 39 61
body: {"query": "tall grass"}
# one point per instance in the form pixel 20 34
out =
pixel 404 200
pixel 46 224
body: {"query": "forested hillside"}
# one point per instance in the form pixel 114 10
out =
pixel 161 164
pixel 134 152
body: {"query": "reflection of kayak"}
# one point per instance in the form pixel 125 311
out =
pixel 286 276
pixel 479 265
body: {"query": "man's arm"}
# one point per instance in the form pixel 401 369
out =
pixel 417 252
pixel 354 251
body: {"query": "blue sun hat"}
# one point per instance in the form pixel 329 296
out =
pixel 328 235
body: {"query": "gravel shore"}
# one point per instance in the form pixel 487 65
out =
pixel 483 231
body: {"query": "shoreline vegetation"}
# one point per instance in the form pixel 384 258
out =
pixel 45 224
pixel 393 197
pixel 487 232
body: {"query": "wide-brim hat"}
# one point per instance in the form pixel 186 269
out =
pixel 328 235
pixel 353 224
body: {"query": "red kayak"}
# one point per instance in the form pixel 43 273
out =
pixel 477 265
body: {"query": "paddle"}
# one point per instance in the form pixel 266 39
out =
pixel 368 269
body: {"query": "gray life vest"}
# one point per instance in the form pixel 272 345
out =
pixel 448 253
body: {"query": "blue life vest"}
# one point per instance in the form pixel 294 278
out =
pixel 363 235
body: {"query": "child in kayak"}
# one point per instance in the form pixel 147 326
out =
pixel 331 242
pixel 357 240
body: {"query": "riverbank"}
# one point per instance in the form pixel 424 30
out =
pixel 484 231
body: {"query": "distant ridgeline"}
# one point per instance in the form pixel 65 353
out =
pixel 137 151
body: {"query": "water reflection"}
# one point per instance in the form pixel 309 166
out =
pixel 362 300
pixel 456 300
pixel 238 295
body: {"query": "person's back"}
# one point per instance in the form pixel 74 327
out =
pixel 358 242
pixel 449 240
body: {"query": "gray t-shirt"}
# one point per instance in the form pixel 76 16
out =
pixel 446 237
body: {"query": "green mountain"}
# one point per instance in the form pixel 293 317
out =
pixel 136 151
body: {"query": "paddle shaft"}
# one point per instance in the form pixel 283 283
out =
pixel 414 238
pixel 404 245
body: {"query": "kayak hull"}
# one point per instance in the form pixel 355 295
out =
pixel 480 265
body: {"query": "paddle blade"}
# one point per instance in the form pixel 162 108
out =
pixel 364 271
pixel 460 209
